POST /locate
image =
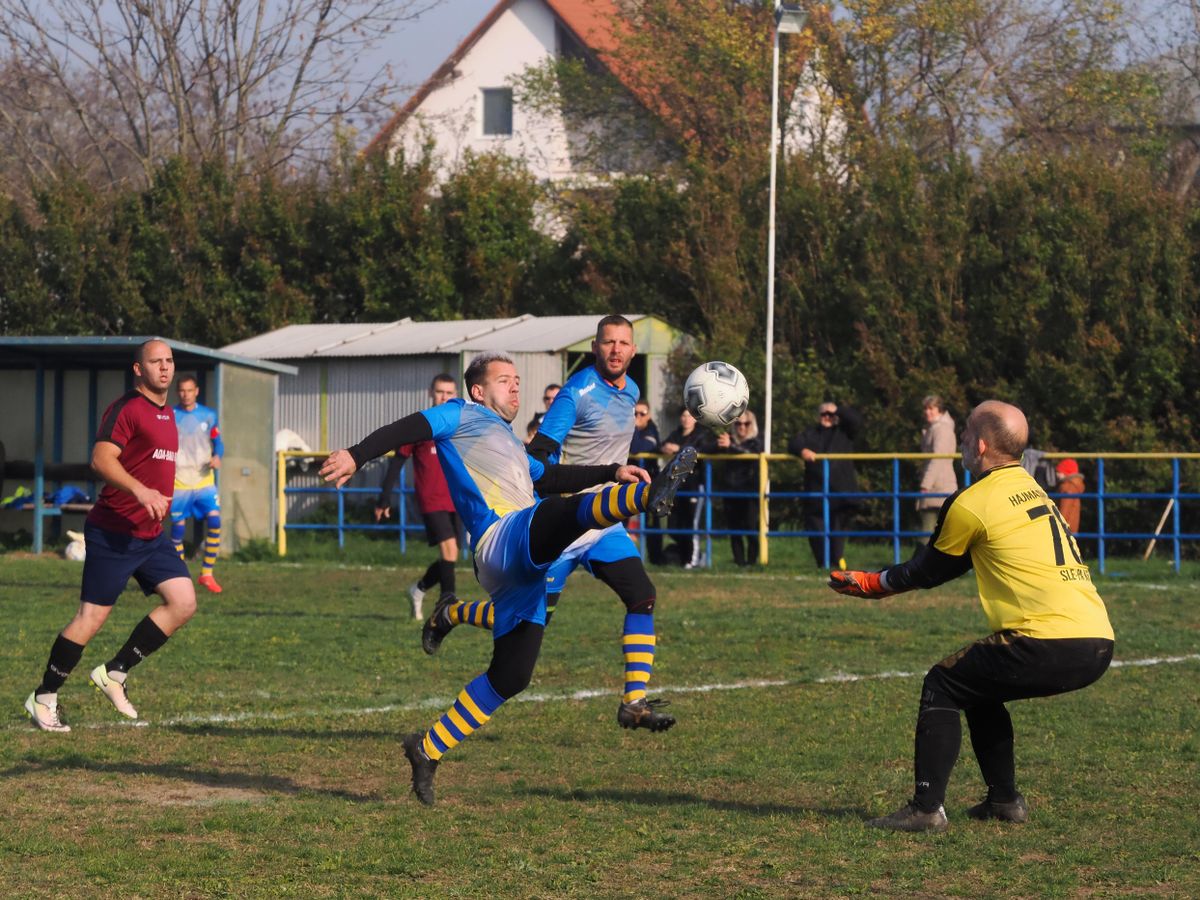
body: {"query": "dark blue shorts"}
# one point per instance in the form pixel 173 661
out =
pixel 113 558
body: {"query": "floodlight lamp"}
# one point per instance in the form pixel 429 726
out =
pixel 790 18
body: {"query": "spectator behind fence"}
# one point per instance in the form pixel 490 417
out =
pixel 1070 481
pixel 741 513
pixel 645 440
pixel 548 395
pixel 835 432
pixel 937 475
pixel 688 510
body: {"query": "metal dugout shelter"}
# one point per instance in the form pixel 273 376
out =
pixel 53 391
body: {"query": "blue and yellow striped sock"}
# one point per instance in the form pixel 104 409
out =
pixel 178 528
pixel 212 544
pixel 474 706
pixel 481 613
pixel 637 643
pixel 613 504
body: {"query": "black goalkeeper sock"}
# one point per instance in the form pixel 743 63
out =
pixel 64 657
pixel 431 577
pixel 144 640
pixel 446 575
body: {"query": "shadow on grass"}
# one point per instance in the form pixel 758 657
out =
pixel 294 614
pixel 44 585
pixel 303 734
pixel 246 781
pixel 664 798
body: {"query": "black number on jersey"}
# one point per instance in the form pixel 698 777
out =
pixel 1054 517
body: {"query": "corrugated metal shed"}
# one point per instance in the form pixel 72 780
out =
pixel 356 378
pixel 521 334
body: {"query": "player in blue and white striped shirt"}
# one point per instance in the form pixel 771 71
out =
pixel 514 535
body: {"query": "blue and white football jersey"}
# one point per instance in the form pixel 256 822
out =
pixel 591 420
pixel 199 441
pixel 487 469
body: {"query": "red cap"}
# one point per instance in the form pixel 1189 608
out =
pixel 1066 467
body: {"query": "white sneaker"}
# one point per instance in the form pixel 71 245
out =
pixel 113 690
pixel 418 598
pixel 45 715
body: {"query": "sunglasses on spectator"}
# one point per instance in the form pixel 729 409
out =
pixel 638 412
pixel 741 424
pixel 828 412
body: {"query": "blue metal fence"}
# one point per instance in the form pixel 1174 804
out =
pixel 896 496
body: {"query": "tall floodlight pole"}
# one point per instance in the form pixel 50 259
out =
pixel 789 19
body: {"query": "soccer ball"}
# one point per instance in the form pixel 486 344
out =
pixel 716 394
pixel 75 551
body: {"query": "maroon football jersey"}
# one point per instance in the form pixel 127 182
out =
pixel 146 434
pixel 433 495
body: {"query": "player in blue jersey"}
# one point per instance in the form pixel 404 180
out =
pixel 199 457
pixel 514 535
pixel 591 423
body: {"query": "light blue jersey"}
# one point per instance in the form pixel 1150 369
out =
pixel 486 467
pixel 199 441
pixel 591 420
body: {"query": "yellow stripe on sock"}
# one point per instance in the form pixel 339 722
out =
pixel 462 724
pixel 447 738
pixel 639 658
pixel 631 492
pixel 632 696
pixel 614 506
pixel 639 639
pixel 465 699
pixel 430 747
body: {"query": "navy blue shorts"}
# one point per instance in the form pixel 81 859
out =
pixel 113 558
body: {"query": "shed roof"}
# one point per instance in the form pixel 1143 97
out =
pixel 100 351
pixel 524 334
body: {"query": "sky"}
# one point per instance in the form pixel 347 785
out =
pixel 418 48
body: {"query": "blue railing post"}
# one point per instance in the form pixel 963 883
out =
pixel 403 503
pixel 708 507
pixel 341 506
pixel 1175 517
pixel 825 507
pixel 896 510
pixel 1100 512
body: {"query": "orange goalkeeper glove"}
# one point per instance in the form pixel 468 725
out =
pixel 859 584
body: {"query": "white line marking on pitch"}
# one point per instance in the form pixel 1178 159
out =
pixel 582 694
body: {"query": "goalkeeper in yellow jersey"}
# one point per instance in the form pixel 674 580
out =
pixel 1050 630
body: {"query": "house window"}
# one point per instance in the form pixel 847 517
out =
pixel 497 111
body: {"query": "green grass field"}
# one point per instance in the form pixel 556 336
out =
pixel 269 762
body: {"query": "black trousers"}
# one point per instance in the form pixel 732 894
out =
pixel 980 679
pixel 741 514
pixel 839 520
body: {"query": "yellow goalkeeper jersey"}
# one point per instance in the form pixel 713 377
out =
pixel 1031 576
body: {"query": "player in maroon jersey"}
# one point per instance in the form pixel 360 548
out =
pixel 135 455
pixel 433 498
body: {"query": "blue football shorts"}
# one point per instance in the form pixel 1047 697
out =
pixel 197 504
pixel 514 582
pixel 602 545
pixel 113 558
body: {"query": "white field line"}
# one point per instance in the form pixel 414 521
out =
pixel 435 703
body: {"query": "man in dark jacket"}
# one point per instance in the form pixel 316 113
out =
pixel 835 432
pixel 645 440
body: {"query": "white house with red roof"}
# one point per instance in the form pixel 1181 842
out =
pixel 469 103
